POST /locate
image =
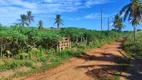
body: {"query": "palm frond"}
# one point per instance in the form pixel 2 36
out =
pixel 62 23
pixel 124 8
pixel 130 15
pixel 55 23
pixel 27 24
pixel 127 13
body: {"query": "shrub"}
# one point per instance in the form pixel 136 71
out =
pixel 134 48
pixel 43 59
pixel 28 64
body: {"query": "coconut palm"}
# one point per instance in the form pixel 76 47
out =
pixel 58 20
pixel 30 17
pixel 118 23
pixel 115 20
pixel 23 20
pixel 40 25
pixel 132 11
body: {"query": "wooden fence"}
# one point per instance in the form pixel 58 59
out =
pixel 64 44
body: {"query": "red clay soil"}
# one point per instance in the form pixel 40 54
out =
pixel 95 64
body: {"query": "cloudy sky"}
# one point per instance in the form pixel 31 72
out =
pixel 75 13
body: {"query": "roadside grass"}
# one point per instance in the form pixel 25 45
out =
pixel 55 59
pixel 134 49
pixel 97 43
pixel 35 70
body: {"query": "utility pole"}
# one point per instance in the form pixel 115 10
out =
pixel 101 20
pixel 101 24
pixel 108 24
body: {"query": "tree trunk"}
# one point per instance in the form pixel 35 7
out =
pixel 76 39
pixel 23 23
pixel 81 39
pixel 134 33
pixel 1 52
pixel 57 25
pixel 120 29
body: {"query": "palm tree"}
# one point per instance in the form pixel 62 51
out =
pixel 132 11
pixel 118 23
pixel 40 25
pixel 24 20
pixel 30 17
pixel 58 20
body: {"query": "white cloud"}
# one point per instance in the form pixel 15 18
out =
pixel 18 3
pixel 11 9
pixel 78 18
pixel 93 16
pixel 89 3
pixel 97 15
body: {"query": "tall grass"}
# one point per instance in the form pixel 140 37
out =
pixel 134 48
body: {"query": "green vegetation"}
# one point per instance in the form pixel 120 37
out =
pixel 48 61
pixel 58 20
pixel 36 48
pixel 40 25
pixel 112 78
pixel 134 48
pixel 19 41
pixel 26 19
pixel 23 20
pixel 118 23
pixel 30 18
pixel 133 11
pixel 28 46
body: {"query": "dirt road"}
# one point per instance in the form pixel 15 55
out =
pixel 96 63
pixel 134 72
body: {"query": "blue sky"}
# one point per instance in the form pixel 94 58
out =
pixel 75 13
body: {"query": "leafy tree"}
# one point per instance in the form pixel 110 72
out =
pixel 118 23
pixel 132 11
pixel 24 20
pixel 58 20
pixel 40 24
pixel 139 30
pixel 30 17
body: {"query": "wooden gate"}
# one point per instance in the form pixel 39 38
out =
pixel 64 44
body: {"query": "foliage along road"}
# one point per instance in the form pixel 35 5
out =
pixel 97 63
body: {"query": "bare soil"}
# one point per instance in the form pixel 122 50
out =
pixel 96 64
pixel 134 72
pixel 23 69
pixel 38 64
pixel 6 74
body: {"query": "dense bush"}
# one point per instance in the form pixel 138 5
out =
pixel 134 48
pixel 24 41
pixel 28 46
